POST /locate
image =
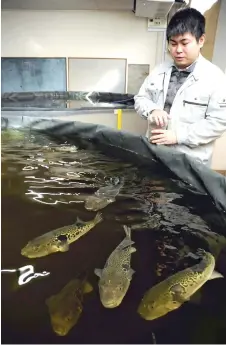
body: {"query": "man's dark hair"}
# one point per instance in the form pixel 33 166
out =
pixel 186 20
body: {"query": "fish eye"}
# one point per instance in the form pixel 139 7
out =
pixel 67 318
pixel 151 306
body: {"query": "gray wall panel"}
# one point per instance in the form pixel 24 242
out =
pixel 104 75
pixel 33 74
pixel 136 75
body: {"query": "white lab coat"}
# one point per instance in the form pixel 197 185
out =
pixel 198 112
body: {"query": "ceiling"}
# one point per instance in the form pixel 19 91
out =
pixel 141 8
pixel 117 5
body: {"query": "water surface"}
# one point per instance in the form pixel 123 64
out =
pixel 44 186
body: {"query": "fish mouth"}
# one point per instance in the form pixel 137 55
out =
pixel 60 332
pixel 144 314
pixel 148 317
pixel 90 208
pixel 26 251
pixel 23 252
pixel 26 254
pixel 110 305
pixel 93 207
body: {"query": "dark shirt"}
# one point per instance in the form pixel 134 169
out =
pixel 177 78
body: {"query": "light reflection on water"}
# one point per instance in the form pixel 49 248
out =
pixel 62 174
pixel 26 273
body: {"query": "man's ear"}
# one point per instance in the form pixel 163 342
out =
pixel 202 40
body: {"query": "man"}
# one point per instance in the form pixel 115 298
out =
pixel 184 100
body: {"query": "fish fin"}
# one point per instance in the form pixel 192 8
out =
pixel 131 272
pixel 87 287
pixel 127 230
pixel 79 221
pixel 98 272
pixel 215 275
pixel 63 247
pixel 126 243
pixel 177 291
pixel 98 218
pixel 132 250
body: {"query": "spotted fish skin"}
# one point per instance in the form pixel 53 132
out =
pixel 58 240
pixel 171 293
pixel 117 274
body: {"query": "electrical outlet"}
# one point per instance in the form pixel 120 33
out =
pixel 157 22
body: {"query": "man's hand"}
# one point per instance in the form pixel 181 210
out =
pixel 160 117
pixel 163 137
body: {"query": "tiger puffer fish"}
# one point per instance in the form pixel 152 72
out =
pixel 171 293
pixel 58 240
pixel 66 306
pixel 103 196
pixel 117 274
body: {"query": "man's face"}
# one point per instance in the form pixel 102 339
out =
pixel 184 49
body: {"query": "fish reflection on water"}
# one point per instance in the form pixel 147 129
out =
pixel 58 176
pixel 58 240
pixel 66 306
pixel 103 196
pixel 152 222
pixel 117 274
pixel 177 289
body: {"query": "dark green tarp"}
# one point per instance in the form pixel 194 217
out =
pixel 60 100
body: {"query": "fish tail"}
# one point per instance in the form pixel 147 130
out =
pixel 98 218
pixel 127 230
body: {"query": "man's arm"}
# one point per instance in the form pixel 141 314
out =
pixel 210 128
pixel 143 103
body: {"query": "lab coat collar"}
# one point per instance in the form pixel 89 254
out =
pixel 198 70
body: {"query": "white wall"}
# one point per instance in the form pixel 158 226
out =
pixel 78 34
pixel 219 53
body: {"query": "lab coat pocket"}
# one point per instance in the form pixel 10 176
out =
pixel 195 108
pixel 222 103
pixel 154 91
